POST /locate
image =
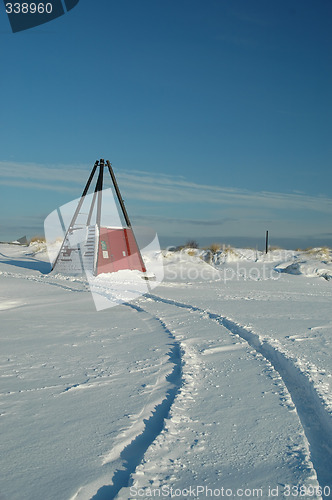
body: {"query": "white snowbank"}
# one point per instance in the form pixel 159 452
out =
pixel 311 263
pixel 316 262
pixel 200 382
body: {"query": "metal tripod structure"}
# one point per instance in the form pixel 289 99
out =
pixel 97 197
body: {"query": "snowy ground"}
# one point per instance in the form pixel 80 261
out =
pixel 216 384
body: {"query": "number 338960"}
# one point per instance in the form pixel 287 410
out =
pixel 29 8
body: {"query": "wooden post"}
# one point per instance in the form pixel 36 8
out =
pixel 267 242
pixel 117 190
pixel 99 194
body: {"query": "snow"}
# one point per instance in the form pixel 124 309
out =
pixel 215 383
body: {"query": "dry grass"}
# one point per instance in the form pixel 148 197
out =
pixel 322 253
pixel 215 247
pixel 274 247
pixel 40 239
pixel 191 244
pixel 229 251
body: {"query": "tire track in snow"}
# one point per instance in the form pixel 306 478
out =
pixel 47 281
pixel 316 421
pixel 133 453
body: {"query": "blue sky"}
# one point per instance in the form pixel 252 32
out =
pixel 216 116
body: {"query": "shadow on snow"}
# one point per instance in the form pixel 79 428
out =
pixel 34 264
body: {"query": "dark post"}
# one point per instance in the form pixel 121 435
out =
pixel 88 221
pixel 117 190
pixel 267 242
pixel 100 189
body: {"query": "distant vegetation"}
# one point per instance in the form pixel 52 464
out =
pixel 215 247
pixel 39 239
pixel 191 244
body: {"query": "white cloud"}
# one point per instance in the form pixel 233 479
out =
pixel 168 189
pixel 159 188
pixel 45 177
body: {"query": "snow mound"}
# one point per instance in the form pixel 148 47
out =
pixel 307 268
pixel 36 247
pixel 229 255
pixel 314 262
pixel 311 263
